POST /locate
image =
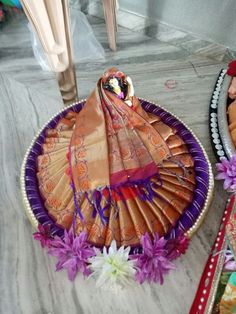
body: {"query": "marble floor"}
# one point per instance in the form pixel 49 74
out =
pixel 28 98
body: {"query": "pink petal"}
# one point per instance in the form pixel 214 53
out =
pixel 147 244
pixel 221 176
pixel 227 183
pixel 220 167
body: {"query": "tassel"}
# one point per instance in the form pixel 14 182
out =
pixel 78 211
pixel 144 189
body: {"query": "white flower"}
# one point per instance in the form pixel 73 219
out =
pixel 111 267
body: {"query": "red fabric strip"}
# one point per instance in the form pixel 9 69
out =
pixel 204 288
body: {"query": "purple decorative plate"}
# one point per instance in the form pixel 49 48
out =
pixel 190 219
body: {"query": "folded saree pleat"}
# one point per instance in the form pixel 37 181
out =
pixel 143 217
pixel 165 131
pixel 180 191
pixel 177 151
pixel 62 187
pixel 52 161
pixel 113 230
pixel 64 216
pixel 61 140
pixel 158 223
pixel 184 160
pixel 166 208
pixel 48 178
pixel 139 223
pixel 179 182
pixel 47 186
pixel 115 170
pixel 67 123
pixel 180 174
pixel 54 147
pixel 97 233
pixel 128 233
pixel 53 170
pixel 54 133
pixel 57 195
pixel 174 141
pixel 178 203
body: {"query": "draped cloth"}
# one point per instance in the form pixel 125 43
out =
pixel 115 170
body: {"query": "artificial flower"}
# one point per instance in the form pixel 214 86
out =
pixel 112 266
pixel 227 172
pixel 72 253
pixel 229 262
pixel 232 68
pixel 153 262
pixel 177 246
pixel 43 235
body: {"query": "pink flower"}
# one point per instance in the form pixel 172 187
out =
pixel 43 235
pixel 177 246
pixel 72 253
pixel 227 172
pixel 153 262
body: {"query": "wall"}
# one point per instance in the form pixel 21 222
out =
pixel 213 20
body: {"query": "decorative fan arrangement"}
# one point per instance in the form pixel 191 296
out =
pixel 116 186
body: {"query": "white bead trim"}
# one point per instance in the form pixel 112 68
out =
pixel 214 125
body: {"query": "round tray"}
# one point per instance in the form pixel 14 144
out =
pixel 190 220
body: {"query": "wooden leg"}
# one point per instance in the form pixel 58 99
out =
pixel 67 84
pixel 52 23
pixel 109 7
pixel 67 79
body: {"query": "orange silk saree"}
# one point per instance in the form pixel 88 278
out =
pixel 113 169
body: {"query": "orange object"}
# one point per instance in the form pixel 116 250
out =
pixel 122 170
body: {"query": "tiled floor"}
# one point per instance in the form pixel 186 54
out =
pixel 28 98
